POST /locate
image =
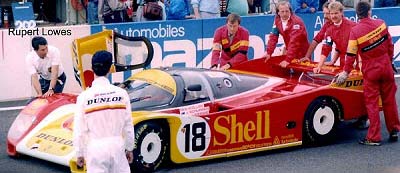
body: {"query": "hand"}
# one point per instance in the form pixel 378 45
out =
pixel 129 156
pixel 284 64
pixel 341 77
pixel 329 63
pixel 48 93
pixel 226 67
pixel 80 161
pixel 304 59
pixel 312 10
pixel 317 69
pixel 267 57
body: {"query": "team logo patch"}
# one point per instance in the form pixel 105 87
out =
pixel 296 26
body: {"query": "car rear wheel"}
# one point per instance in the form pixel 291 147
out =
pixel 320 120
pixel 150 151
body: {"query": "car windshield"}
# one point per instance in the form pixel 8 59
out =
pixel 144 95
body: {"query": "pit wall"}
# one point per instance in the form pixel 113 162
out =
pixel 185 43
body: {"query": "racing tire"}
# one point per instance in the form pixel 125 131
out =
pixel 320 121
pixel 151 146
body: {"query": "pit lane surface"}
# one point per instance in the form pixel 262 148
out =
pixel 344 155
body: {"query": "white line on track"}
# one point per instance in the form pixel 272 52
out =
pixel 12 108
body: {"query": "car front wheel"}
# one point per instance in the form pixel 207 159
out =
pixel 151 139
pixel 320 120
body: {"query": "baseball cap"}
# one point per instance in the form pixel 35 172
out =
pixel 101 62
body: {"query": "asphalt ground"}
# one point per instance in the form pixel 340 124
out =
pixel 343 155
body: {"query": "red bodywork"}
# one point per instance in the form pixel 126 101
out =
pixel 36 110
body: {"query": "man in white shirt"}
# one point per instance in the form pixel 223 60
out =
pixel 45 68
pixel 103 130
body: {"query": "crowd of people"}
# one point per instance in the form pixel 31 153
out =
pixel 115 11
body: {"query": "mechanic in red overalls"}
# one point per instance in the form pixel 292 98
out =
pixel 103 131
pixel 338 33
pixel 230 45
pixel 321 34
pixel 373 41
pixel 293 31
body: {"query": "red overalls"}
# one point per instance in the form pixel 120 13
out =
pixel 338 34
pixel 371 39
pixel 233 52
pixel 295 37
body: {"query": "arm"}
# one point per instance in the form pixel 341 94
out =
pixel 128 130
pixel 195 5
pixel 310 50
pixel 117 5
pixel 80 131
pixel 53 81
pixel 352 49
pixel 36 84
pixel 273 40
pixel 216 49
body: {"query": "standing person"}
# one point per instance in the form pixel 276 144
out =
pixel 103 131
pixel 206 9
pixel 321 34
pixel 305 6
pixel 140 14
pixel 45 68
pixel 230 44
pixel 373 41
pixel 293 31
pixel 113 11
pixel 338 33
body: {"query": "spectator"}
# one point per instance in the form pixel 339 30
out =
pixel 92 12
pixel 139 12
pixel 321 34
pixel 44 62
pixel 293 31
pixel 113 11
pixel 305 6
pixel 384 3
pixel 371 38
pixel 206 9
pixel 338 33
pixel 103 131
pixel 239 7
pixel 178 9
pixel 230 45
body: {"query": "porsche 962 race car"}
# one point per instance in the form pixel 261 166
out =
pixel 190 114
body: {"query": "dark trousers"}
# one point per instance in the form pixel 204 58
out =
pixel 116 17
pixel 44 84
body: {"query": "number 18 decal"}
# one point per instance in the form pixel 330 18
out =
pixel 193 137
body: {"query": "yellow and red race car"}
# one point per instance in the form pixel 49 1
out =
pixel 190 114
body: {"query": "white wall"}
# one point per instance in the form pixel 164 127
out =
pixel 14 79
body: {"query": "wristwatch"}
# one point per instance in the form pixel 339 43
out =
pixel 50 88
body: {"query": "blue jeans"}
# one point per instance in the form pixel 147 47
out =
pixel 44 84
pixel 92 16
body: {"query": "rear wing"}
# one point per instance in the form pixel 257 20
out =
pixel 129 53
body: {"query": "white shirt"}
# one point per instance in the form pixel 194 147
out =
pixel 35 64
pixel 103 111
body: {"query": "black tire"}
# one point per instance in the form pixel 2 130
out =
pixel 320 121
pixel 151 146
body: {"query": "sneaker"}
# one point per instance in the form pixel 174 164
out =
pixel 369 142
pixel 394 136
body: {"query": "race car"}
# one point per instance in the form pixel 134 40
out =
pixel 191 114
